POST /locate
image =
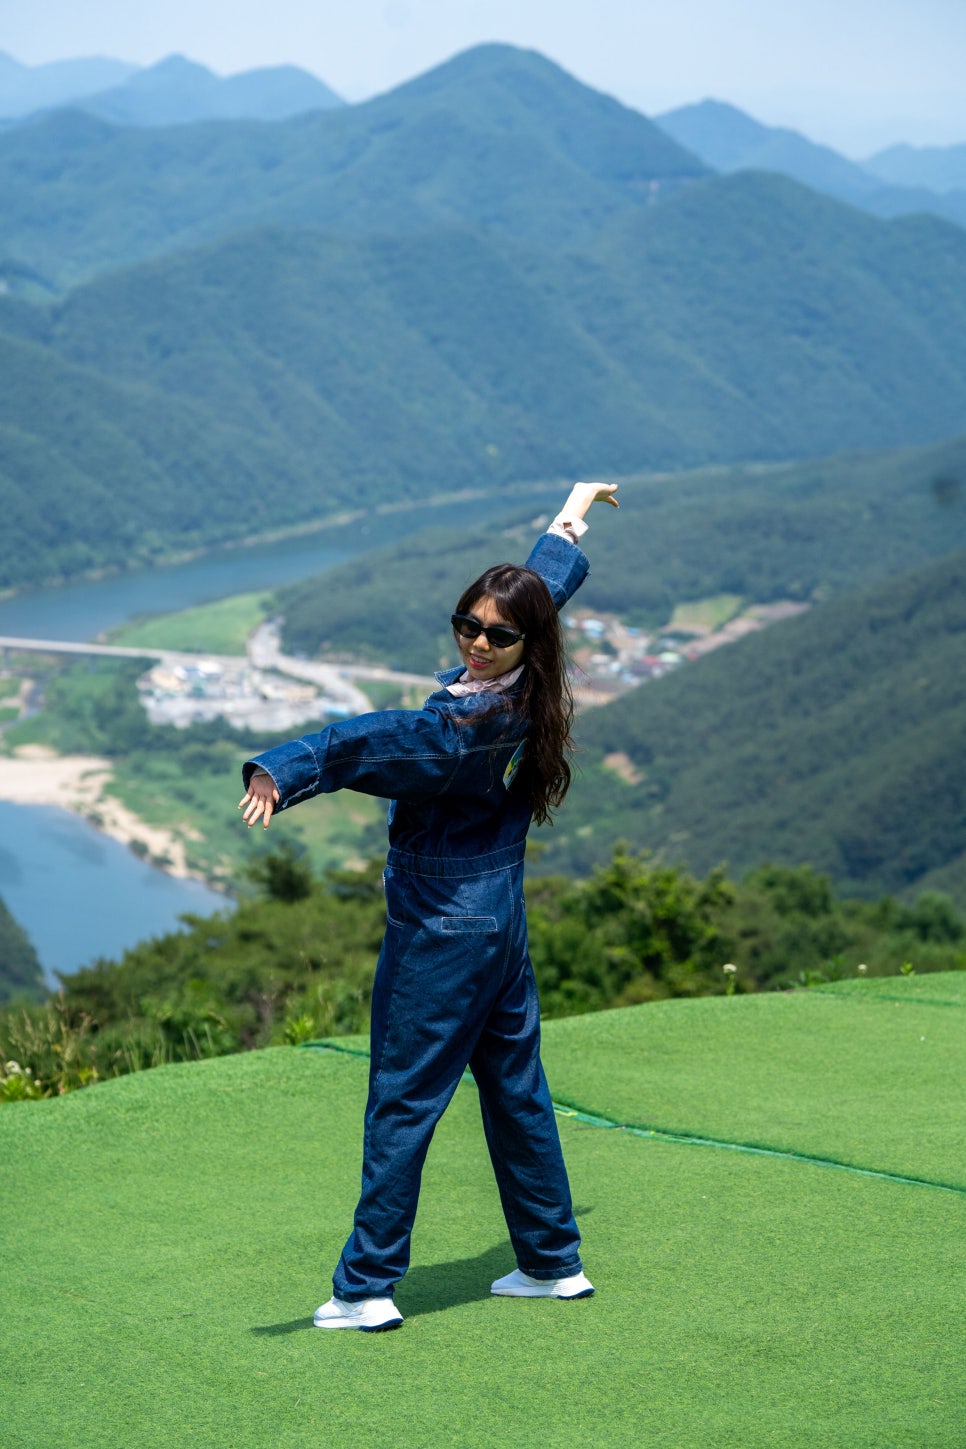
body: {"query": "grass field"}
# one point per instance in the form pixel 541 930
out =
pixel 168 1236
pixel 702 614
pixel 222 627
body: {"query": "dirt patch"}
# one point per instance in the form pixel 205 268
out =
pixel 623 766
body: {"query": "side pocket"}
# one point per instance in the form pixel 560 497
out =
pixel 393 891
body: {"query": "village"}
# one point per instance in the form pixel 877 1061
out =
pixel 611 657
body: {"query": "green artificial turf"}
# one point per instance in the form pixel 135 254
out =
pixel 871 1076
pixel 168 1235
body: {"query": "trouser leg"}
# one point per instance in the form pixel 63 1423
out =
pixel 410 1086
pixel 521 1133
pixel 434 988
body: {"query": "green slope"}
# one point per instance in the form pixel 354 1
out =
pixel 836 738
pixel 497 137
pixel 182 1225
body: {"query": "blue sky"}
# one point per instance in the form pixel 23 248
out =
pixel 857 74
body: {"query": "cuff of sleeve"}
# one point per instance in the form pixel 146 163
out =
pixel 566 527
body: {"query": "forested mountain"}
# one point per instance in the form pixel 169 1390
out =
pixel 728 139
pixel 838 738
pixel 21 977
pixel 498 139
pixel 805 531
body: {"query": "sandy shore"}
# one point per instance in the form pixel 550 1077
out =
pixel 36 775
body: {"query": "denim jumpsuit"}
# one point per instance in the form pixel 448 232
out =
pixel 454 986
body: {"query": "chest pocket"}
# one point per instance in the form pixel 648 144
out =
pixel 467 925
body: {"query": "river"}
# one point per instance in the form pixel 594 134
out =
pixel 78 893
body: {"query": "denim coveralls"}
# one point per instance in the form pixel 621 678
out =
pixel 454 985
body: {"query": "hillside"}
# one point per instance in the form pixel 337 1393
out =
pixel 773 1257
pixel 819 529
pixel 728 139
pixel 838 738
pixel 21 977
pixel 278 373
pixel 498 138
pixel 96 472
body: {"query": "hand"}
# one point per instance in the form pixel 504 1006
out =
pixel 261 799
pixel 582 495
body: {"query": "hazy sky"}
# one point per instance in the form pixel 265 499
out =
pixel 857 74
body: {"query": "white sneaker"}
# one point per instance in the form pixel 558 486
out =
pixel 372 1315
pixel 521 1285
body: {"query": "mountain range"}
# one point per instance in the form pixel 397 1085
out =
pixel 498 139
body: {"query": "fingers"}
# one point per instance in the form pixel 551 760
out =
pixel 258 806
pixel 598 493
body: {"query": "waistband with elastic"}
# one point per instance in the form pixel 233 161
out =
pixel 449 866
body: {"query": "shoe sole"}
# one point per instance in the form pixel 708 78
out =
pixel 560 1297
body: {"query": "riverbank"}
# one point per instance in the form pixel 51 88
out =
pixel 38 775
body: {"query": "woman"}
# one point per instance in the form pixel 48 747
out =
pixel 454 986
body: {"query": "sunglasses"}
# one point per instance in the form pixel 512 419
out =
pixel 496 634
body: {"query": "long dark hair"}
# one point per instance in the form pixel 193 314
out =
pixel 524 601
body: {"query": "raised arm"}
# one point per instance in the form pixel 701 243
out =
pixel 558 560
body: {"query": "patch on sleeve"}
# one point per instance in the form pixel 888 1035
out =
pixel 510 773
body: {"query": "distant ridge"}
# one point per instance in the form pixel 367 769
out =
pixel 728 139
pixel 941 168
pixel 177 91
pixel 25 89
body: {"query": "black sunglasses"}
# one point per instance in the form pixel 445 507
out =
pixel 496 634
